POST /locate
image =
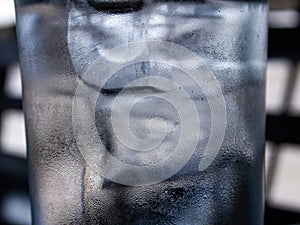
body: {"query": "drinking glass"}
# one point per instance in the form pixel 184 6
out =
pixel 144 111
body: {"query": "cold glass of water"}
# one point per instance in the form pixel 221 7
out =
pixel 144 112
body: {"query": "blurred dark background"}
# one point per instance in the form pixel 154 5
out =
pixel 283 120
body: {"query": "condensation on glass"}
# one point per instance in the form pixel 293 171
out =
pixel 113 87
